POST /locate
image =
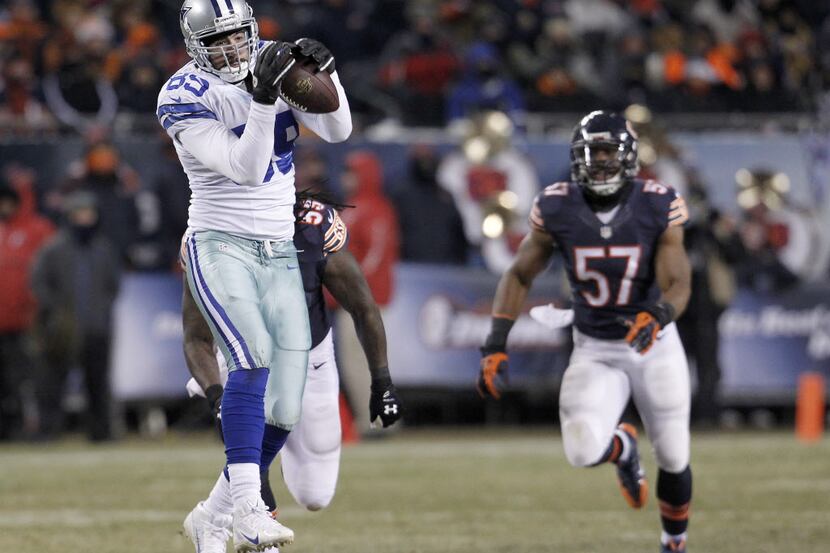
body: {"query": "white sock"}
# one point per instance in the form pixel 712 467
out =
pixel 244 484
pixel 665 537
pixel 626 445
pixel 219 501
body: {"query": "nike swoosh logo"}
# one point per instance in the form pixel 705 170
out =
pixel 254 541
pixel 177 100
pixel 290 268
pixel 318 366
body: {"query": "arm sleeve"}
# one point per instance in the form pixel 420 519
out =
pixel 244 160
pixel 545 203
pixel 331 127
pixel 678 212
pixel 336 234
pixel 536 220
pixel 669 206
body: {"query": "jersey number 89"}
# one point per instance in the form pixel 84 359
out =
pixel 191 83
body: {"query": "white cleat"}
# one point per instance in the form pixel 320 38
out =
pixel 254 529
pixel 208 532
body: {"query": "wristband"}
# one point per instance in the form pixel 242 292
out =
pixel 213 393
pixel 663 312
pixel 499 329
pixel 381 379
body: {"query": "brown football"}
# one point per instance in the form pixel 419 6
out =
pixel 307 89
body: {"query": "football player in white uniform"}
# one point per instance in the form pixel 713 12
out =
pixel 234 137
pixel 622 242
pixel 311 456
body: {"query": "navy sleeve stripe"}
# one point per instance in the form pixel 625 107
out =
pixel 168 121
pixel 208 114
pixel 181 108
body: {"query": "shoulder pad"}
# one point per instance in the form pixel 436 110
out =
pixel 184 98
pixel 337 234
pixel 331 227
pixel 548 201
pixel 668 205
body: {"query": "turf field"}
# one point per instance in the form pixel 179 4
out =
pixel 422 491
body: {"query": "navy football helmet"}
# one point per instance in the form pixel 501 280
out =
pixel 603 154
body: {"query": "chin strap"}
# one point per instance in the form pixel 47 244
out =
pixel 601 203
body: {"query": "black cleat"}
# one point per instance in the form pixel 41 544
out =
pixel 630 474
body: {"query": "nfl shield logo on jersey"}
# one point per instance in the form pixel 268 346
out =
pixel 605 231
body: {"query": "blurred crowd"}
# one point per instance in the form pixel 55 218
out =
pixel 95 67
pixel 465 206
pixel 73 64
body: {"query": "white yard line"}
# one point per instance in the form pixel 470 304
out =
pixel 82 518
pixel 794 485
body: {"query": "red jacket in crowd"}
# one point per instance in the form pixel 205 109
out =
pixel 21 236
pixel 373 225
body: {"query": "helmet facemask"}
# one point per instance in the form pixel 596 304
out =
pixel 232 58
pixel 598 166
pixel 604 156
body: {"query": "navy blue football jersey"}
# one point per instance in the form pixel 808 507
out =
pixel 318 232
pixel 610 266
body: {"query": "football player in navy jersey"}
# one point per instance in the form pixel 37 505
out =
pixel 622 242
pixel 311 455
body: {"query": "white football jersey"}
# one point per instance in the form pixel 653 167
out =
pixel 192 98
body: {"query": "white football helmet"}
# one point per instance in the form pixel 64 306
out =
pixel 204 21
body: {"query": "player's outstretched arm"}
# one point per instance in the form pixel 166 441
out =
pixel 674 277
pixel 198 350
pixel 344 279
pixel 673 271
pixel 533 256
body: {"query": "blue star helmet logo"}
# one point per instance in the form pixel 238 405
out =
pixel 183 14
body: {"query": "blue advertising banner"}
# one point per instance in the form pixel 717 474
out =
pixel 147 360
pixel 435 326
pixel 767 341
pixel 440 317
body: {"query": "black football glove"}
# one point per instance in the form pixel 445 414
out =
pixel 214 398
pixel 384 402
pixel 494 365
pixel 643 330
pixel 315 49
pixel 272 64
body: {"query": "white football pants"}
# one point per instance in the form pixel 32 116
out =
pixel 601 377
pixel 311 456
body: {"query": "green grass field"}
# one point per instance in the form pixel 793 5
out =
pixel 423 491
